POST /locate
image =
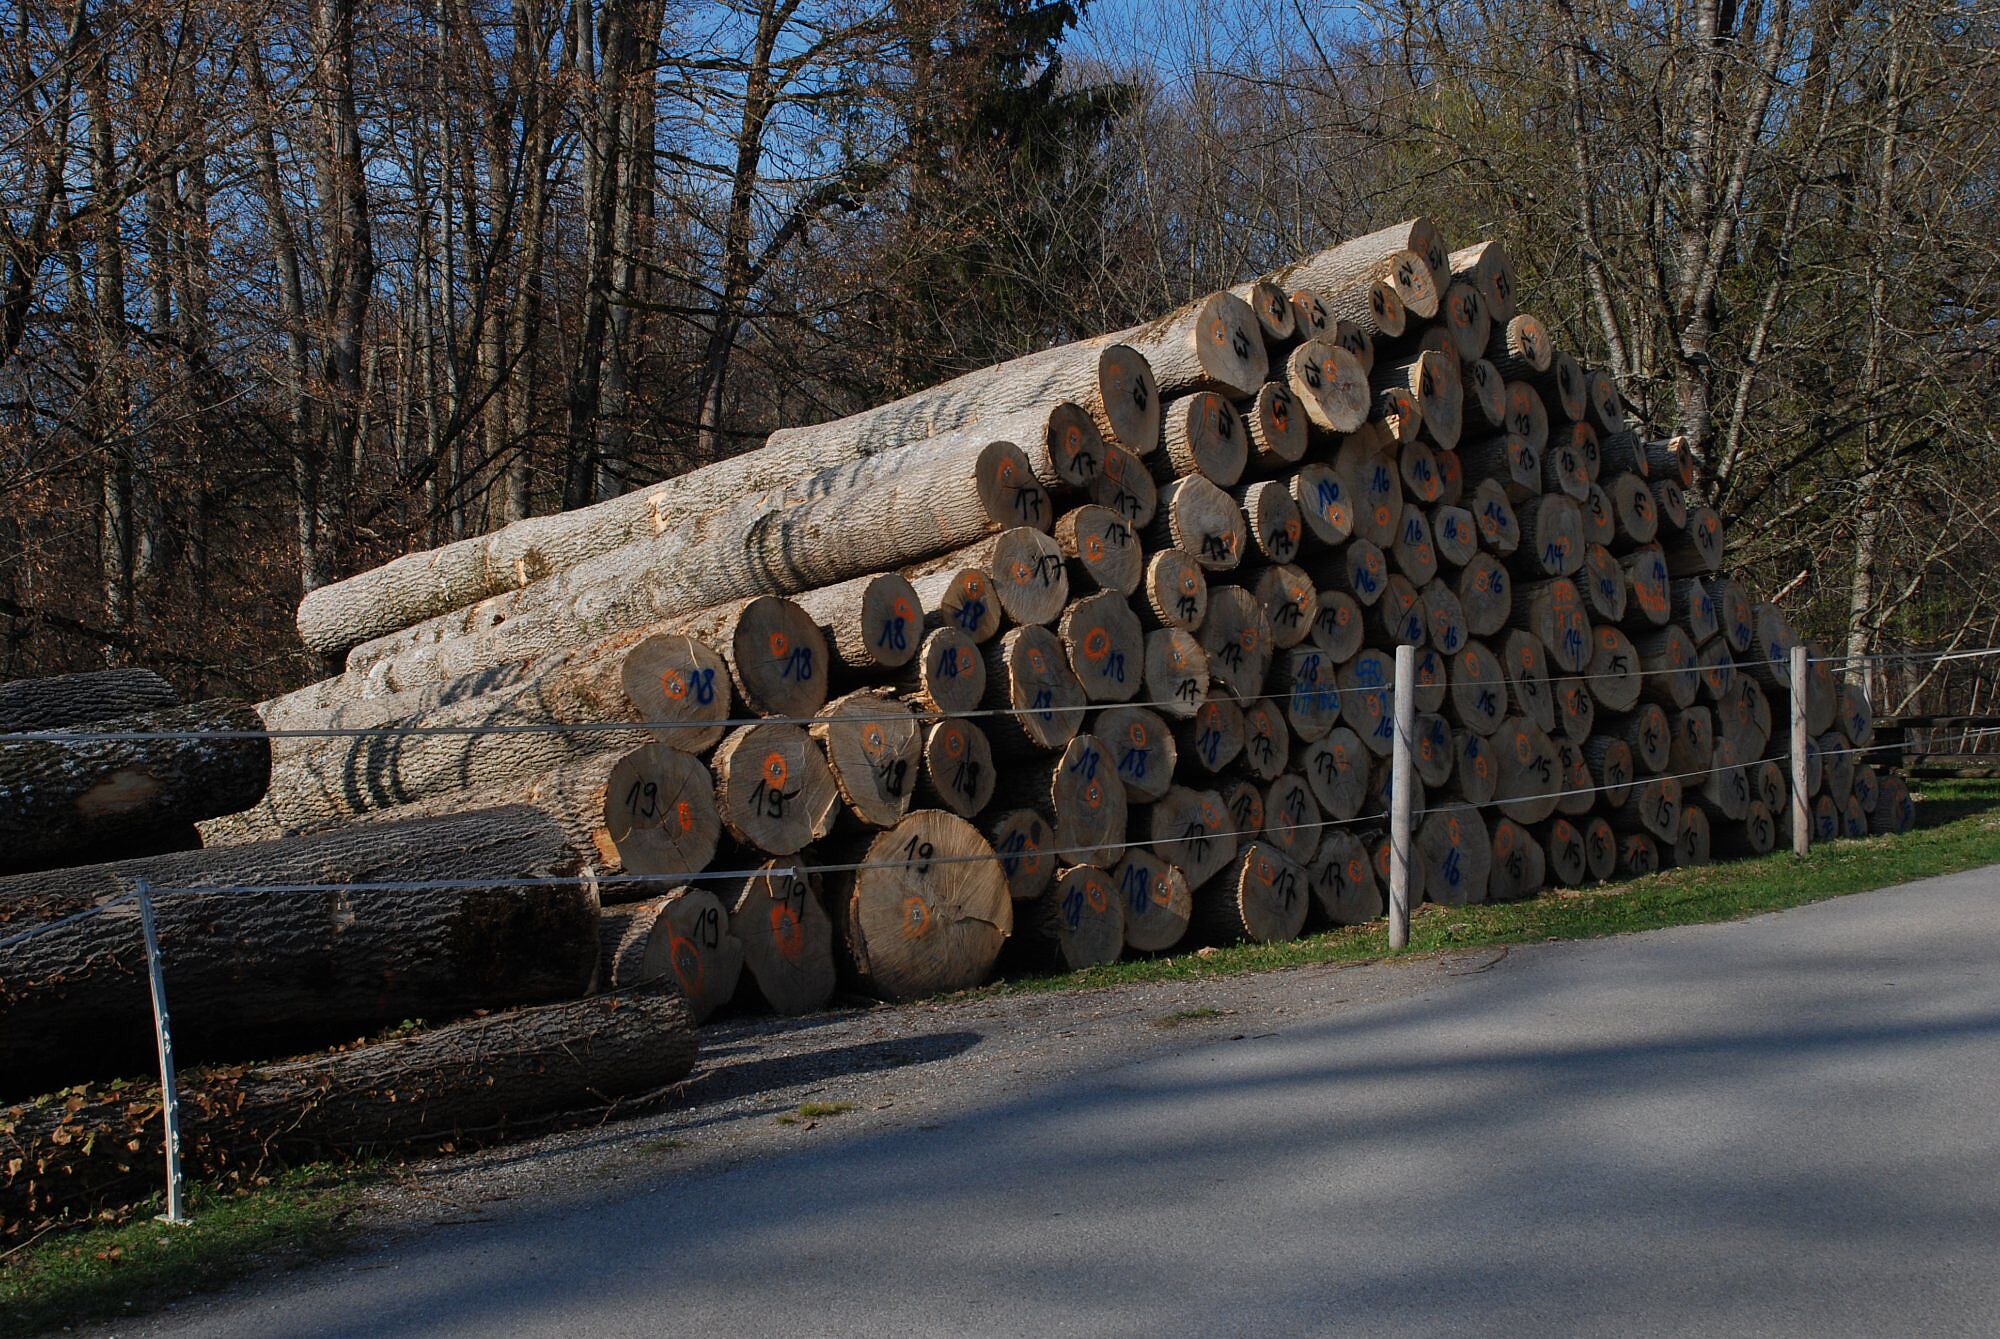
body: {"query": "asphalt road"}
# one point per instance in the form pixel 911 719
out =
pixel 1789 1126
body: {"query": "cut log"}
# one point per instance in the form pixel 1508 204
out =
pixel 1690 741
pixel 1552 543
pixel 1638 855
pixel 1432 379
pixel 1456 535
pixel 1343 882
pixel 1696 550
pixel 1670 500
pixel 1267 744
pixel 1695 609
pixel 1508 460
pixel 1409 255
pixel 1272 519
pixel 1028 680
pixel 1552 611
pixel 1671 673
pixel 1028 575
pixel 1106 646
pixel 1078 923
pixel 1445 617
pixel 1648 598
pixel 1329 383
pixel 1397 619
pixel 1485 594
pixel 779 917
pixel 1476 695
pixel 1102 548
pixel 1486 268
pixel 1025 845
pixel 1499 527
pixel 1213 737
pixel 958 770
pixel 1312 693
pixel 1190 829
pixel 705 961
pixel 1277 426
pixel 951 674
pixel 960 598
pixel 1292 820
pixel 1156 901
pixel 927 911
pixel 1175 591
pixel 1466 320
pixel 1125 485
pixel 1260 897
pixel 1756 834
pixel 1527 416
pixel 1142 750
pixel 1367 700
pixel 1727 788
pixel 1237 638
pixel 1615 669
pixel 1336 768
pixel 1718 672
pixel 93 1150
pixel 1578 784
pixel 773 788
pixel 1212 344
pixel 1563 465
pixel 1176 671
pixel 129 785
pixel 1519 869
pixel 1671 459
pixel 69 700
pixel 1600 845
pixel 1653 806
pixel 1562 387
pixel 872 744
pixel 1290 601
pixel 1273 306
pixel 1202 434
pixel 1476 772
pixel 1412 550
pixel 1456 851
pixel 1563 845
pixel 1081 794
pixel 871 624
pixel 1526 663
pixel 1527 779
pixel 253 969
pixel 629 951
pixel 1635 519
pixel 1325 504
pixel 1201 521
pixel 776 654
pixel 1521 348
pixel 1735 614
pixel 1337 627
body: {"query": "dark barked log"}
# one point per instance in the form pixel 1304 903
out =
pixel 1670 458
pixel 871 625
pixel 1212 738
pixel 1623 452
pixel 1030 684
pixel 1142 749
pixel 1667 660
pixel 1648 589
pixel 1553 612
pixel 1174 593
pixel 1413 550
pixel 1079 922
pixel 1563 846
pixel 1520 869
pixel 256 969
pixel 1615 671
pixel 1652 806
pixel 960 598
pixel 1576 709
pixel 1290 601
pixel 1202 434
pixel 1190 830
pixel 1027 574
pixel 1237 638
pixel 1025 845
pixel 1397 619
pixel 873 745
pixel 1520 348
pixel 1125 485
pixel 1635 519
pixel 1273 305
pixel 1527 781
pixel 129 785
pixel 1499 527
pixel 1526 662
pixel 927 910
pixel 1267 743
pixel 1155 899
pixel 773 788
pixel 956 769
pixel 778 916
pixel 1527 416
pixel 1718 672
pixel 1260 897
pixel 1202 521
pixel 1329 385
pixel 1369 470
pixel 1508 459
pixel 1275 526
pixel 1102 548
pixel 1456 533
pixel 69 700
pixel 1336 767
pixel 1343 881
pixel 1456 851
pixel 1325 504
pixel 1176 671
pixel 1602 582
pixel 1106 646
pixel 95 1149
pixel 629 952
pixel 1485 266
pixel 1670 500
pixel 704 960
pixel 1696 550
pixel 1337 628
pixel 1486 593
pixel 1610 761
pixel 950 674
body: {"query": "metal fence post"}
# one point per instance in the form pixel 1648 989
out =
pixel 170 1098
pixel 1801 801
pixel 1402 797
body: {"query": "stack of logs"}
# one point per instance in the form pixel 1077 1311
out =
pixel 1085 653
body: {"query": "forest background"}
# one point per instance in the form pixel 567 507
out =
pixel 290 287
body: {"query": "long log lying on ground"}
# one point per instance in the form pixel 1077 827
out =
pixel 251 969
pixel 77 699
pixel 64 800
pixel 98 1148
